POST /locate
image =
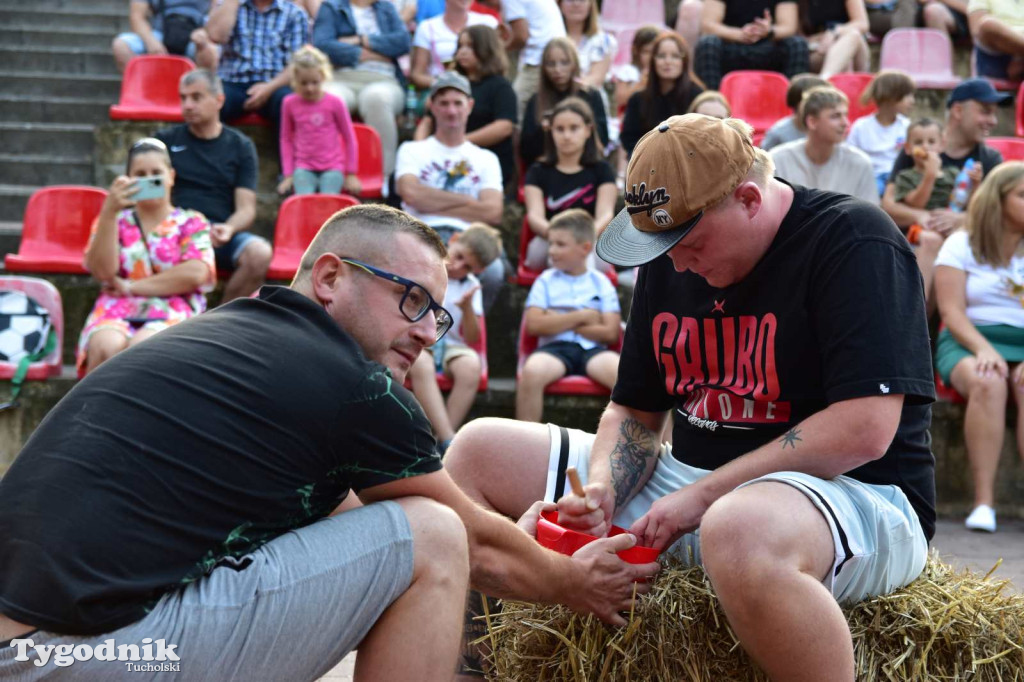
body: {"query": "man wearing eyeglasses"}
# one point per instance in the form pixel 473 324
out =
pixel 184 491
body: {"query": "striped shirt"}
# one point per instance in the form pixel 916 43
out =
pixel 262 43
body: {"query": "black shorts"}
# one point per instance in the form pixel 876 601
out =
pixel 572 355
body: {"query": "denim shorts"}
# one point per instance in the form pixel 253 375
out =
pixel 227 254
pixel 574 356
pixel 134 41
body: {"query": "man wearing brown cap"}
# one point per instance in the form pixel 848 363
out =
pixel 786 331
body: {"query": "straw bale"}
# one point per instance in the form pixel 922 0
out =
pixel 946 625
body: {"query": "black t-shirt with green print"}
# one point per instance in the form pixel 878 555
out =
pixel 197 446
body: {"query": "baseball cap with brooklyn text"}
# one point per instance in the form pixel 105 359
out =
pixel 684 166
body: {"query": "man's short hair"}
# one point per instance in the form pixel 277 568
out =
pixel 799 85
pixel 816 100
pixel 577 222
pixel 212 80
pixel 365 232
pixel 483 241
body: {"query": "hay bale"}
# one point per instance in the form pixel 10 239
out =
pixel 946 625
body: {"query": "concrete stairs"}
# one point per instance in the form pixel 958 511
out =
pixel 58 81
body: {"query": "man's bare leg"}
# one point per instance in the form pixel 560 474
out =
pixel 250 271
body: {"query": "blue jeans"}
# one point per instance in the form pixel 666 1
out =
pixel 235 95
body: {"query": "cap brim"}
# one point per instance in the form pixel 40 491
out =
pixel 624 245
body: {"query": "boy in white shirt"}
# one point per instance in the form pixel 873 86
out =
pixel 882 134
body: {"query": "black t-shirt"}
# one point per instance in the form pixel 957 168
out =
pixel 738 13
pixel 818 15
pixel 833 311
pixel 637 120
pixel 207 441
pixel 208 171
pixel 531 137
pixel 495 100
pixel 563 191
pixel 988 157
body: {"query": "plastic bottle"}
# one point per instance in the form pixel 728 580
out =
pixel 412 101
pixel 961 188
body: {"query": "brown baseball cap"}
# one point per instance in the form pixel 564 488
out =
pixel 685 165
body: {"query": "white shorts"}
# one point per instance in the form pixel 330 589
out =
pixel 879 544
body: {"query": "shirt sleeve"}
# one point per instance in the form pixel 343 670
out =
pixel 195 244
pixel 534 175
pixel 955 251
pixel 419 38
pixel 296 30
pixel 902 161
pixel 609 298
pixel 867 188
pixel 248 167
pixel 405 160
pixel 538 296
pixel 490 171
pixel 605 173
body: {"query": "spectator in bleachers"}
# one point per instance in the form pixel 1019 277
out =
pixel 888 14
pixel 153 259
pixel 630 78
pixel 788 129
pixel 468 254
pixel 259 37
pixel 319 152
pixel 749 34
pixel 978 283
pixel 216 171
pixel 670 89
pixel 822 160
pixel 688 16
pixel 532 25
pixel 711 103
pixel 575 311
pixel 162 27
pixel 881 135
pixel 560 78
pixel 492 123
pixel 595 47
pixel 437 39
pixel 447 181
pixel 997 27
pixel 364 39
pixel 835 35
pixel 571 174
pixel 946 15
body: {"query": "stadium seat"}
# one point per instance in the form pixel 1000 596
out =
pixel 946 392
pixel 853 86
pixel 445 384
pixel 622 14
pixel 526 277
pixel 298 221
pixel 1012 148
pixel 757 97
pixel 1020 111
pixel 924 53
pixel 46 295
pixel 371 161
pixel 149 89
pixel 252 119
pixel 55 229
pixel 624 37
pixel 571 385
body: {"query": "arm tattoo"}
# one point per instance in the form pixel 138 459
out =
pixel 635 446
pixel 790 439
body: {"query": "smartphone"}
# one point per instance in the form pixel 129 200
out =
pixel 151 187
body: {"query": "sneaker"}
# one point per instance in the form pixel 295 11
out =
pixel 982 518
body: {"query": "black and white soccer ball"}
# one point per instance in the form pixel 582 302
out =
pixel 24 326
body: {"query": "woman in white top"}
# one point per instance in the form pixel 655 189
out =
pixel 436 40
pixel 979 283
pixel 596 47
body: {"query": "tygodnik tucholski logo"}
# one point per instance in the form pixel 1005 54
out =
pixel 152 656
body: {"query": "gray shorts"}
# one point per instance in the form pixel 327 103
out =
pixel 291 610
pixel 879 544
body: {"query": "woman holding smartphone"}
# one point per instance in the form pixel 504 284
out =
pixel 155 261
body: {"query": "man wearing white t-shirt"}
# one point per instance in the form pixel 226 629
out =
pixel 447 181
pixel 822 160
pixel 436 40
pixel 532 24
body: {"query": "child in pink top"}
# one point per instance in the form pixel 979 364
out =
pixel 318 143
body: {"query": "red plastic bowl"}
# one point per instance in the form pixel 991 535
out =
pixel 567 541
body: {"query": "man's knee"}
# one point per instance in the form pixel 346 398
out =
pixel 439 536
pixel 255 257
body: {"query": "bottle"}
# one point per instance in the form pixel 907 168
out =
pixel 412 102
pixel 961 188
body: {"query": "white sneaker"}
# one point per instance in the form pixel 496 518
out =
pixel 982 518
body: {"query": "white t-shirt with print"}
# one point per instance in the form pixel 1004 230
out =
pixel 991 298
pixel 595 48
pixel 557 290
pixel 466 169
pixel 545 22
pixel 881 143
pixel 434 36
pixel 457 288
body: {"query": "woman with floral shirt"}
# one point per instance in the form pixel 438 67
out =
pixel 155 261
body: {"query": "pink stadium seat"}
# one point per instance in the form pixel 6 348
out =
pixel 526 277
pixel 757 97
pixel 624 37
pixel 298 221
pixel 924 53
pixel 1020 111
pixel 571 385
pixel 55 229
pixel 853 85
pixel 619 14
pixel 445 384
pixel 1012 148
pixel 371 161
pixel 46 295
pixel 149 89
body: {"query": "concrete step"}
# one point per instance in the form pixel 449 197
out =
pixel 58 59
pixel 54 109
pixel 10 237
pixel 13 199
pixel 46 169
pixel 108 6
pixel 29 35
pixel 23 13
pixel 49 83
pixel 36 138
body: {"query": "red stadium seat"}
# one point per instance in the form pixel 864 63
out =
pixel 46 295
pixel 926 54
pixel 1012 148
pixel 524 276
pixel 298 221
pixel 445 384
pixel 149 89
pixel 853 86
pixel 947 393
pixel 757 97
pixel 252 119
pixel 371 161
pixel 1020 111
pixel 571 385
pixel 55 229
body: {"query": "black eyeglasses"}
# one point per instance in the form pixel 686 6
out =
pixel 416 301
